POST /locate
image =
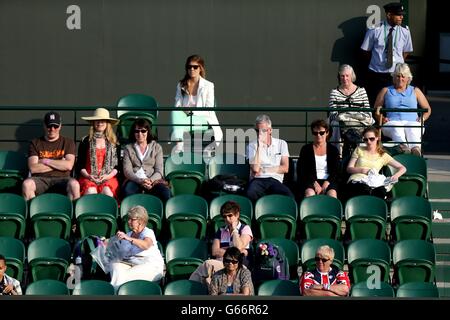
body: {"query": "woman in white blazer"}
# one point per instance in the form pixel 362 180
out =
pixel 194 91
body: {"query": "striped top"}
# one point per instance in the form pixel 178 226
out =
pixel 357 99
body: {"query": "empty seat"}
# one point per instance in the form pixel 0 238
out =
pixel 309 249
pixel 13 170
pixel 183 256
pixel 51 215
pixel 414 181
pixel 411 218
pixel 139 288
pixel 381 289
pixel 414 261
pixel 185 288
pixel 366 217
pixel 96 214
pixel 152 204
pixel 321 217
pixel 186 172
pixel 13 214
pixel 48 258
pixel 276 216
pixel 47 287
pixel 93 288
pixel 278 288
pixel 186 215
pixel 14 252
pixel 368 258
pixel 418 290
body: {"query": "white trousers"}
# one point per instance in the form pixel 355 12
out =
pixel 411 136
pixel 121 273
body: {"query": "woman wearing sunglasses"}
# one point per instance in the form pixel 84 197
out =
pixel 370 159
pixel 143 165
pixel 234 278
pixel 325 279
pixel 318 165
pixel 194 91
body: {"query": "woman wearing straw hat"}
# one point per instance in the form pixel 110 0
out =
pixel 97 156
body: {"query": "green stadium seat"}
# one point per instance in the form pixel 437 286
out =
pixel 366 217
pixel 96 214
pixel 139 288
pixel 363 255
pixel 278 288
pixel 414 181
pixel 185 288
pixel 276 216
pixel 13 215
pixel 185 172
pixel 14 252
pixel 47 287
pixel 93 288
pixel 361 290
pixel 321 217
pixel 291 250
pixel 48 258
pixel 418 290
pixel 13 170
pixel 411 218
pixel 51 215
pixel 186 215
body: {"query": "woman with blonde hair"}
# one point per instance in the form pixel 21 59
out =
pixel 97 164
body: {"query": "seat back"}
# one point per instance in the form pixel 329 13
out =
pixel 418 290
pixel 186 215
pixel 411 218
pixel 414 261
pixel 152 204
pixel 414 181
pixel 139 102
pixel 47 287
pixel 96 214
pixel 246 214
pixel 13 170
pixel 320 216
pixel 183 256
pixel 13 214
pixel 368 257
pixel 51 215
pixel 186 172
pixel 278 288
pixel 382 290
pixel 48 258
pixel 185 288
pixel 93 288
pixel 309 249
pixel 366 217
pixel 14 252
pixel 139 288
pixel 276 216
pixel 229 164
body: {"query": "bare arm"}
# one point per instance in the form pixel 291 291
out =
pixel 216 250
pixel 352 169
pixel 400 169
pixel 255 163
pixel 144 244
pixel 282 168
pixel 423 103
pixel 379 102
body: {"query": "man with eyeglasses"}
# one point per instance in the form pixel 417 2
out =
pixel 50 160
pixel 269 161
pixel 325 279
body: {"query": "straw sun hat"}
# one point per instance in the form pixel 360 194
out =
pixel 101 114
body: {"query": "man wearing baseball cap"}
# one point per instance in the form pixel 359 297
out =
pixel 387 44
pixel 50 160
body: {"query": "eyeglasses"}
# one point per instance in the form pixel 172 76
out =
pixel 52 126
pixel 227 215
pixel 370 138
pixel 140 131
pixel 316 133
pixel 321 259
pixel 193 66
pixel 230 261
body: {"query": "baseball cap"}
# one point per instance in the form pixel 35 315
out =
pixel 394 8
pixel 52 118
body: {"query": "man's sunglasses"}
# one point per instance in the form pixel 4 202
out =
pixel 321 259
pixel 316 133
pixel 53 126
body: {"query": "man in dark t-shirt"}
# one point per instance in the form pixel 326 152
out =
pixel 50 160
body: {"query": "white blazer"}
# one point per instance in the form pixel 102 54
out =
pixel 205 99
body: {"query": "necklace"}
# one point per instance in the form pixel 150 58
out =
pixel 99 135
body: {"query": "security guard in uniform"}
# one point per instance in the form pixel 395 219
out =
pixel 387 44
